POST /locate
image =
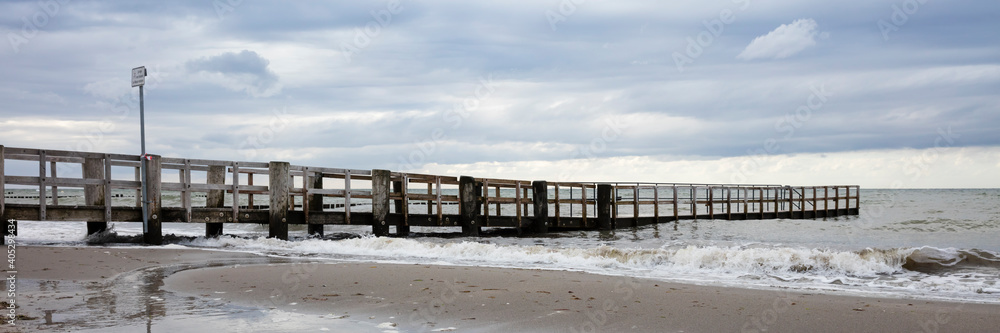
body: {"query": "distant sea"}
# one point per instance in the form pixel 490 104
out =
pixel 926 244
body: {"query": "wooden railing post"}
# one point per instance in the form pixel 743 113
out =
pixel 315 204
pixel 3 203
pixel 380 202
pixel 154 230
pixel 93 195
pixel 540 192
pixel 604 202
pixel 402 207
pixel 469 199
pixel 278 183
pixel 857 200
pixel 215 198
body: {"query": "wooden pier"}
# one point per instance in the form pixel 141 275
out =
pixel 318 196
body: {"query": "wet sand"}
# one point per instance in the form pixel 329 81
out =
pixel 328 295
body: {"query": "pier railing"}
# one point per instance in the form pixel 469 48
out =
pixel 216 192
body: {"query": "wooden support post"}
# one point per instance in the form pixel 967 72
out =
pixel 154 230
pixel 41 184
pixel 315 204
pixel 347 197
pixel 107 187
pixel 729 203
pixel 278 188
pixel 185 176
pixel 540 193
pixel 215 198
pixel 402 207
pixel 814 202
pixel 430 203
pixel 802 201
pixel 762 204
pixel 250 204
pixel 711 203
pixel 826 201
pixel 517 205
pixel 3 182
pixel 437 194
pixel 777 198
pixel 847 200
pixel 836 203
pixel 496 193
pixel 138 191
pixel 746 203
pixel 614 204
pixel 635 206
pixel 55 189
pixel 557 206
pixel 380 202
pixel 583 196
pixel 656 203
pixel 93 195
pixel 857 199
pixel 9 227
pixel 676 217
pixel 3 202
pixel 469 202
pixel 694 202
pixel 604 202
pixel 236 191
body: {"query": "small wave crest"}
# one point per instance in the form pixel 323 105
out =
pixel 740 260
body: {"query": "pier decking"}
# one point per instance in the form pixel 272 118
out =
pixel 319 196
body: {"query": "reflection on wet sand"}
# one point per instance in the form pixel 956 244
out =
pixel 133 301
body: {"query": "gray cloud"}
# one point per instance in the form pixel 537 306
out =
pixel 242 71
pixel 552 89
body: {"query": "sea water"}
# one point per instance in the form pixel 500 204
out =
pixel 910 243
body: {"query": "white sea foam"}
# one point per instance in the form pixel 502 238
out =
pixel 860 255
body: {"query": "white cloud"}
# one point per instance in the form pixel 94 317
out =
pixel 786 40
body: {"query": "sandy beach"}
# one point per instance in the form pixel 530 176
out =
pixel 57 285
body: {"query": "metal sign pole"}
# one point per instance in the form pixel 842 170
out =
pixel 142 131
pixel 139 79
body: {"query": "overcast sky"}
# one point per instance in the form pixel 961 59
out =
pixel 875 93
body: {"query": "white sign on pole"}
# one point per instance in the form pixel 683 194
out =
pixel 139 76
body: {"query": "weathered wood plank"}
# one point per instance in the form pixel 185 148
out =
pixel 380 202
pixel 540 197
pixel 315 202
pixel 469 210
pixel 279 184
pixel 604 197
pixel 154 230
pixel 215 199
pixel 95 195
pixel 3 192
pixel 402 206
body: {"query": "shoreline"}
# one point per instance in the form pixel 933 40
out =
pixel 417 297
